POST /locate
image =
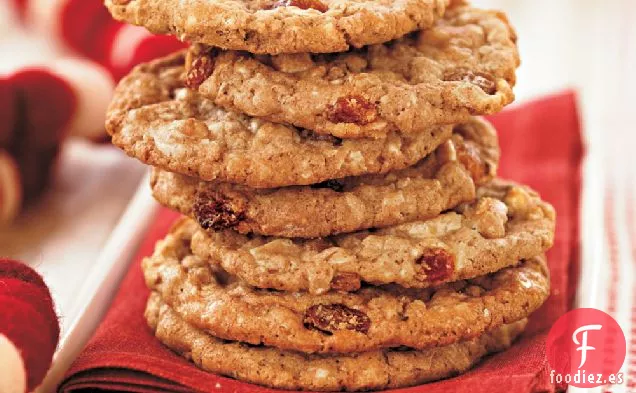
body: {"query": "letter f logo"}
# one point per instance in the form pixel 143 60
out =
pixel 583 343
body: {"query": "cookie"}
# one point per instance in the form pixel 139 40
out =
pixel 437 183
pixel 294 371
pixel 281 26
pixel 506 224
pixel 465 65
pixel 337 322
pixel 155 119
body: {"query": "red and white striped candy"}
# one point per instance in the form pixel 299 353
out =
pixel 93 88
pixel 29 329
pixel 48 104
pixel 8 111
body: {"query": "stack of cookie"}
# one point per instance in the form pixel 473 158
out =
pixel 344 229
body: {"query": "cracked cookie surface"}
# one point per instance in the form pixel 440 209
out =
pixel 465 65
pixel 506 224
pixel 371 318
pixel 295 371
pixel 154 118
pixel 441 181
pixel 281 26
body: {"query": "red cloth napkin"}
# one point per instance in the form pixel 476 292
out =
pixel 541 147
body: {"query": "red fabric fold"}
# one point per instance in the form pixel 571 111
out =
pixel 541 145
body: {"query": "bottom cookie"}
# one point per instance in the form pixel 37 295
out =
pixel 271 367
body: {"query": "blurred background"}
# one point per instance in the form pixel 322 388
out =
pixel 584 45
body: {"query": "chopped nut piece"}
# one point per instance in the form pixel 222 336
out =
pixel 200 70
pixel 469 157
pixel 479 79
pixel 518 201
pixel 491 216
pixel 521 205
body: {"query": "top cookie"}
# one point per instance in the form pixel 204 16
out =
pixel 281 26
pixel 464 65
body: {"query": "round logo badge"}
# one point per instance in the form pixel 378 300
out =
pixel 586 348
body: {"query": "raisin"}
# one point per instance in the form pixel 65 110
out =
pixel 479 79
pixel 329 318
pixel 200 70
pixel 435 264
pixel 217 213
pixel 331 184
pixel 302 4
pixel 352 109
pixel 347 282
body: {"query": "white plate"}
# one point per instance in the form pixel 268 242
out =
pixel 81 238
pixel 95 296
